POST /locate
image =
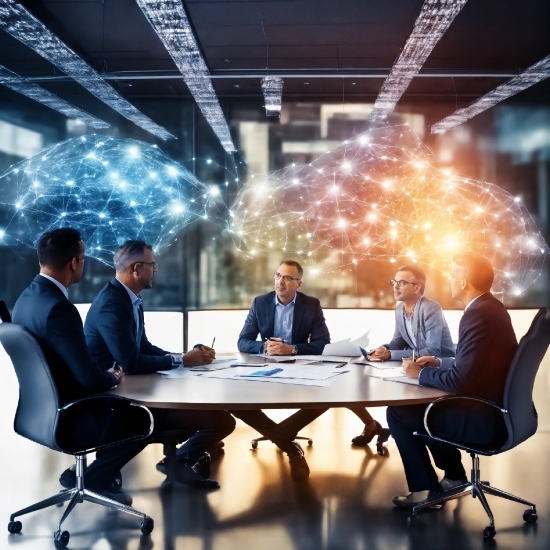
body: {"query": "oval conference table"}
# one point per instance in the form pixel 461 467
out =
pixel 354 388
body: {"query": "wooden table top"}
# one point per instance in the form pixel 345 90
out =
pixel 354 388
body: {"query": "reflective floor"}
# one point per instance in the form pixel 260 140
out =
pixel 346 504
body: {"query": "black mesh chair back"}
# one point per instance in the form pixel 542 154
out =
pixel 5 316
pixel 521 419
pixel 37 412
pixel 39 415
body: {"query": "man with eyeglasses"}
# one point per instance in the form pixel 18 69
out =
pixel 420 329
pixel 289 323
pixel 45 311
pixel 115 334
pixel 486 346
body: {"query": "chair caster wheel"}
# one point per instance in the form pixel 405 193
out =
pixel 254 444
pixel 61 539
pixel 489 532
pixel 147 526
pixel 309 442
pixel 381 449
pixel 530 516
pixel 15 526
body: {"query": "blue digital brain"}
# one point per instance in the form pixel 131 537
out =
pixel 110 189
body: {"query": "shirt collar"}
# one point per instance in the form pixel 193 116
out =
pixel 470 303
pixel 57 284
pixel 136 299
pixel 277 303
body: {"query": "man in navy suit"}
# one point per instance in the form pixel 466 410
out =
pixel 486 347
pixel 289 323
pixel 45 311
pixel 115 332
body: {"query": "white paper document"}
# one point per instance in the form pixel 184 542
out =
pixel 348 347
pixel 393 374
pixel 305 372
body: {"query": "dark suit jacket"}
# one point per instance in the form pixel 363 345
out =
pixel 43 310
pixel 110 330
pixel 486 347
pixel 309 330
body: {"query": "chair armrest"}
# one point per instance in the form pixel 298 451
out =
pixel 457 397
pixel 112 401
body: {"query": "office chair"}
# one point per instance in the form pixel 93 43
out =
pixel 40 418
pixel 5 316
pixel 520 418
pixel 254 442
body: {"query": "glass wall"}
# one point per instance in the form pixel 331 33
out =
pixel 202 268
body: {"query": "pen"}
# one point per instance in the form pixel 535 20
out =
pixel 213 340
pixel 413 355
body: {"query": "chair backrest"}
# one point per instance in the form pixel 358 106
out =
pixel 521 419
pixel 5 316
pixel 37 411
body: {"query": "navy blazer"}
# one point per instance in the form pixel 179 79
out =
pixel 110 331
pixel 43 310
pixel 430 331
pixel 309 330
pixel 486 346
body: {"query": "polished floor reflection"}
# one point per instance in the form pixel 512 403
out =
pixel 346 504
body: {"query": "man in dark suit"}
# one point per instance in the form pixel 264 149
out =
pixel 45 311
pixel 486 346
pixel 289 323
pixel 115 332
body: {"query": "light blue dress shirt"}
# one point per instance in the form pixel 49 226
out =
pixel 284 318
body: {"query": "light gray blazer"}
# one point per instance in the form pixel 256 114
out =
pixel 430 331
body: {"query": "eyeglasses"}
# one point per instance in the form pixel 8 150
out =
pixel 401 283
pixel 154 265
pixel 285 278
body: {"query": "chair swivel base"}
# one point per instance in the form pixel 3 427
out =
pixel 254 442
pixel 478 489
pixel 75 496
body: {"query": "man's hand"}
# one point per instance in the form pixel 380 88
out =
pixel 428 361
pixel 411 369
pixel 275 346
pixel 199 356
pixel 379 354
pixel 118 373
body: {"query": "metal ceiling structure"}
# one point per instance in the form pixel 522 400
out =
pixel 332 50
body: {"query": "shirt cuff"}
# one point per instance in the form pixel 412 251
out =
pixel 177 361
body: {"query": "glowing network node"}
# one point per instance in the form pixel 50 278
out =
pixel 429 222
pixel 107 204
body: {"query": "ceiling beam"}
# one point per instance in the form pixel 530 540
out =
pixel 534 74
pixel 17 21
pixel 434 19
pixel 170 22
pixel 37 93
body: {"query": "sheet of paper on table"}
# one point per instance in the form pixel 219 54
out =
pixel 182 372
pixel 380 365
pixel 294 376
pixel 394 374
pixel 348 347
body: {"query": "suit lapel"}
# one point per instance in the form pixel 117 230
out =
pixel 270 315
pixel 298 315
